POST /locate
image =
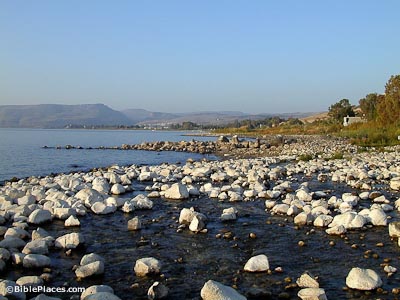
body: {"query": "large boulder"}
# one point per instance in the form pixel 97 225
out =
pixel 363 279
pixel 177 191
pixel 39 216
pixel 147 265
pixel 213 290
pixel 257 263
pixel 70 241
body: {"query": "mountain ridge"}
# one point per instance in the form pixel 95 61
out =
pixel 89 115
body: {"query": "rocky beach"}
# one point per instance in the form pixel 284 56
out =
pixel 286 217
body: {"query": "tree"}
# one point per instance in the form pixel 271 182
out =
pixel 389 107
pixel 340 110
pixel 368 106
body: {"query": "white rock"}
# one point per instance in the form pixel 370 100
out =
pixel 147 265
pixel 378 217
pixel 307 281
pixel 395 183
pixel 134 224
pixel 72 221
pixel 89 196
pixel 70 241
pixel 142 202
pixel 39 233
pixel 177 191
pixel 26 200
pixel 38 246
pixel 281 209
pixel 39 216
pixel 17 232
pixel 99 208
pixel 337 230
pixel 312 294
pixel 257 263
pixel 350 220
pixel 303 195
pixel 197 224
pixel 117 189
pixel 128 207
pixel 229 214
pixel 394 229
pixel 323 221
pixel 186 215
pixel 213 290
pixel 363 279
pixel 87 270
pixel 101 185
pixel 63 212
pixel 390 269
pixel 89 258
pixel 303 218
pixel 33 281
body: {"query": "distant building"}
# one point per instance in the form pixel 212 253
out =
pixel 351 120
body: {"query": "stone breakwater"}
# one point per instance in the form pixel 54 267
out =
pixel 205 203
pixel 239 148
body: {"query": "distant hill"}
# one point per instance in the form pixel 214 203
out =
pixel 59 116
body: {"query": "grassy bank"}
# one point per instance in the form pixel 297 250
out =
pixel 361 134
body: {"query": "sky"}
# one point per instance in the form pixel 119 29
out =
pixel 185 56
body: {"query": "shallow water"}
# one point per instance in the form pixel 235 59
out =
pixel 22 153
pixel 189 259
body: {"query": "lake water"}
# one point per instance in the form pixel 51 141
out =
pixel 22 155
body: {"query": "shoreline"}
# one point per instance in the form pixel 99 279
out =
pixel 324 204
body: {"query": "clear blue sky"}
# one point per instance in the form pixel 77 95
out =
pixel 179 56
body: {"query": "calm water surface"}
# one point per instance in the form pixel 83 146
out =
pixel 22 155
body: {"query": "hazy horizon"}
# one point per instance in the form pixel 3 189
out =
pixel 183 56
